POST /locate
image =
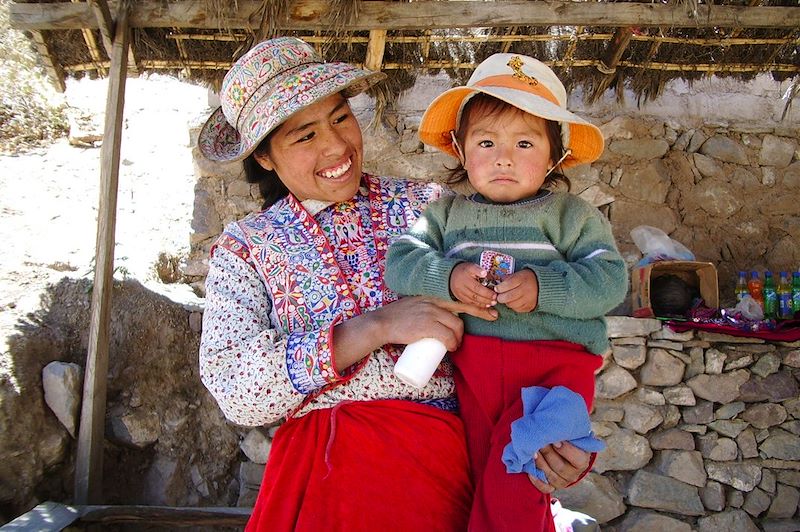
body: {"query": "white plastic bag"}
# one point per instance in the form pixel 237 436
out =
pixel 750 308
pixel 656 245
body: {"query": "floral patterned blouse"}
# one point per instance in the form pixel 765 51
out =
pixel 281 279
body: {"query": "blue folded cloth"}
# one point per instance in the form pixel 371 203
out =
pixel 548 416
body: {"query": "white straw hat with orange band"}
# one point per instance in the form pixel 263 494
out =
pixel 525 83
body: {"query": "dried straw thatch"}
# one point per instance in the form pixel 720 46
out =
pixel 597 57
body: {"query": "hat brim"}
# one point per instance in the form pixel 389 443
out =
pixel 221 142
pixel 585 140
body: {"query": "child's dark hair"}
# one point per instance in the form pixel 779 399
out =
pixel 489 105
pixel 269 184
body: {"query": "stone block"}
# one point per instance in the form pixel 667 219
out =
pixel 725 149
pixel 623 326
pixel 595 495
pixel 625 451
pixel 672 439
pixel 639 520
pixel 730 521
pixel 661 369
pixel 648 490
pixel 713 496
pixel 785 503
pixel 719 388
pixel 756 502
pixel 629 356
pixel 686 466
pixel 741 476
pixel 614 382
pixel 765 415
pixel 781 445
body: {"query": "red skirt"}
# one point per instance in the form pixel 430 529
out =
pixel 490 374
pixel 366 466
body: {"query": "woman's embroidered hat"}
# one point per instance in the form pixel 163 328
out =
pixel 525 83
pixel 267 85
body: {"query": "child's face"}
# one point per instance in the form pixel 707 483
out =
pixel 507 154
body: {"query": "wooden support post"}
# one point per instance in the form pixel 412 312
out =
pixel 89 460
pixel 375 48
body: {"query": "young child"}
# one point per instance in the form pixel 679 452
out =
pixel 546 259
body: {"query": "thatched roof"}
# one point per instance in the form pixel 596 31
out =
pixel 597 45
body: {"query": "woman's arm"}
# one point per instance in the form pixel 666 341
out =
pixel 242 355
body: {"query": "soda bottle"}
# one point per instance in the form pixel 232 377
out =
pixel 784 290
pixel 796 291
pixel 741 287
pixel 770 296
pixel 756 288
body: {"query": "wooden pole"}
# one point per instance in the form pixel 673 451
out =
pixel 89 461
pixel 375 49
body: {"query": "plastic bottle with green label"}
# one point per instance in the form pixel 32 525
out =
pixel 770 296
pixel 784 297
pixel 796 291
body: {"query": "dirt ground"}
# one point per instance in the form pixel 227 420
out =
pixel 48 209
pixel 49 195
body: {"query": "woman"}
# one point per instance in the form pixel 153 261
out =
pixel 299 324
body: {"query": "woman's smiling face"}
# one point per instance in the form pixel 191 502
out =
pixel 317 153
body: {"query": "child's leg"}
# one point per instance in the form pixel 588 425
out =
pixel 479 386
pixel 506 501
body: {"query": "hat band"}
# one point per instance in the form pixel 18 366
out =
pixel 511 82
pixel 258 91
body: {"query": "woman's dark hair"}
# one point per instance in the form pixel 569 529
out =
pixel 269 184
pixel 489 105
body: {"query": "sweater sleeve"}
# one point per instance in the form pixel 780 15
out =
pixel 256 373
pixel 592 278
pixel 416 262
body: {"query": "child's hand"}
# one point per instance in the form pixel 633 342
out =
pixel 465 285
pixel 519 291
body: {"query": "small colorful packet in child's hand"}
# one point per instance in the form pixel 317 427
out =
pixel 497 265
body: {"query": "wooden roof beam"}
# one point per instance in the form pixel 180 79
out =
pixel 617 46
pixel 54 72
pixel 313 14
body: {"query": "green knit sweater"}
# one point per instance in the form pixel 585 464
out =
pixel 566 241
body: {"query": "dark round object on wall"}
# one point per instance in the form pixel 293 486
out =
pixel 671 296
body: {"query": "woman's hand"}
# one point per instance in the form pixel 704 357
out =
pixel 404 321
pixel 413 318
pixel 562 464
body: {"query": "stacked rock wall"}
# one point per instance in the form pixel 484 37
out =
pixel 702 429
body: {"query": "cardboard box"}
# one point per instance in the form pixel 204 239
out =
pixel 701 275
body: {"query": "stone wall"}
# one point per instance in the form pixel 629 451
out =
pixel 702 429
pixel 728 190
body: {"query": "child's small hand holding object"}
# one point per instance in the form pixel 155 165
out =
pixel 519 291
pixel 465 285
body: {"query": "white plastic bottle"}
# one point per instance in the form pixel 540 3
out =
pixel 419 360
